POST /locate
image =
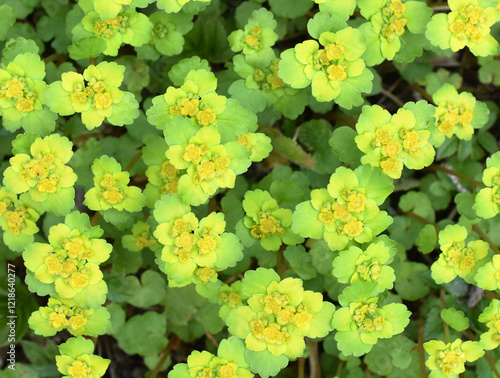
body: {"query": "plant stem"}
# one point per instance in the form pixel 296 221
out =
pixel 95 219
pixel 314 366
pixel 393 97
pixel 437 8
pixel 133 161
pixel 486 238
pixel 423 93
pixel 212 339
pixel 85 137
pixel 280 262
pixel 339 368
pixel 435 167
pixel 420 219
pixel 302 366
pixel 163 357
pixel 420 345
pixel 58 57
pixel 446 327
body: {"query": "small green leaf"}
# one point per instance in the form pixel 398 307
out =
pixel 290 9
pixel 7 19
pixel 87 48
pixel 410 282
pixel 15 47
pixel 150 328
pixel 427 239
pixel 464 202
pixel 487 141
pixel 418 203
pixel 343 144
pixel 300 261
pixel 455 319
pixel 150 292
pixel 265 363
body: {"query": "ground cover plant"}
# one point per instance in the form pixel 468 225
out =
pixel 214 188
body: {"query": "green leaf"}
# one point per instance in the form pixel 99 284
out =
pixel 343 144
pixel 87 48
pixel 38 354
pixel 7 19
pixel 265 363
pixel 448 148
pixel 151 290
pixel 464 202
pixel 179 71
pixel 182 305
pixel 322 22
pixel 150 328
pixel 427 239
pixel 418 203
pixel 22 8
pixel 455 319
pixel 489 70
pixel 208 40
pixel 290 9
pixel 125 111
pixel 300 261
pixel 410 282
pixel 15 47
pixel 487 141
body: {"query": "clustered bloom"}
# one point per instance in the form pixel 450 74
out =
pixel 261 87
pixel 457 259
pixel 335 71
pixel 265 222
pixel 230 362
pixel 196 100
pixel 347 210
pixel 140 238
pixel 491 317
pixel 111 192
pixel 456 114
pixel 76 359
pixel 391 141
pixel 487 202
pixel 279 315
pixel 258 144
pixel 69 263
pixel 208 164
pixel 162 175
pixel 168 30
pixel 392 24
pixel 193 250
pixel 258 35
pixel 361 321
pixel 96 95
pixel 18 219
pixel 128 26
pixel 230 297
pixel 22 95
pixel 40 170
pixel 488 276
pixel 468 24
pixel 370 265
pixel 448 360
pixel 61 314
